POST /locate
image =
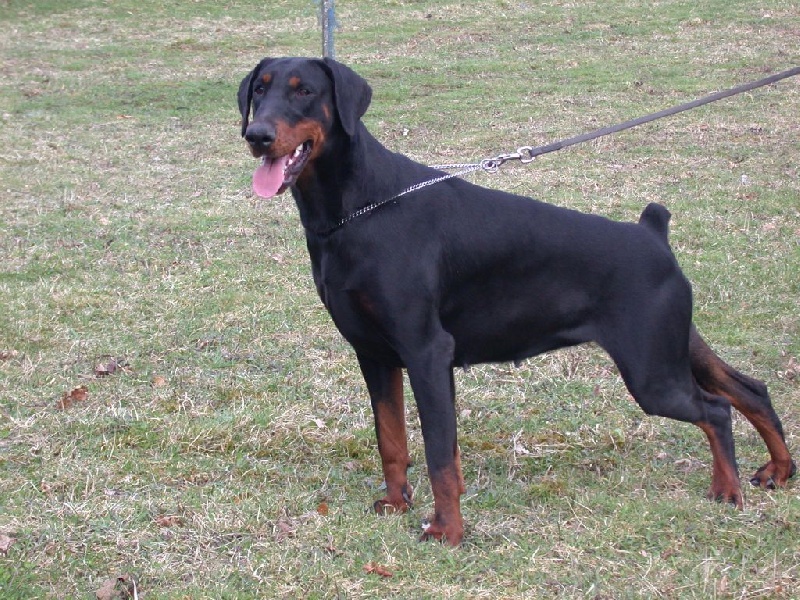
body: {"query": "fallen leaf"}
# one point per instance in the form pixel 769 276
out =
pixel 5 543
pixel 286 529
pixel 109 366
pixel 47 488
pixel 158 381
pixel 331 548
pixel 792 370
pixel 105 368
pixel 374 568
pixel 118 588
pixel 169 521
pixel 323 509
pixel 68 399
pixel 206 344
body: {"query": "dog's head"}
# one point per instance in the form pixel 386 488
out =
pixel 296 104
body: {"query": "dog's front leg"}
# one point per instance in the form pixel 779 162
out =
pixel 434 389
pixel 385 385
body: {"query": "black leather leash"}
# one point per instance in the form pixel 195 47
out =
pixel 527 154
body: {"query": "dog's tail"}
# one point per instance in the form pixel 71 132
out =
pixel 656 218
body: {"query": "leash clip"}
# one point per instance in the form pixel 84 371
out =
pixel 523 155
pixel 492 165
pixel 526 154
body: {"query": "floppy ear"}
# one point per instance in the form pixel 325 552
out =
pixel 245 97
pixel 352 93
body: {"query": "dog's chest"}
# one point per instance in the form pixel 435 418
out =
pixel 355 306
pixel 357 317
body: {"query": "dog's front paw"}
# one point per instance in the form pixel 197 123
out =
pixel 395 503
pixel 446 532
pixel 726 494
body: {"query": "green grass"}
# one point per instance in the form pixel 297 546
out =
pixel 201 468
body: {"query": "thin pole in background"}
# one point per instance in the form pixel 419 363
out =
pixel 328 24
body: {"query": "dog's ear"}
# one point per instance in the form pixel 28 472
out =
pixel 245 96
pixel 352 93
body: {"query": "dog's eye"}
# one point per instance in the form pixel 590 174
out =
pixel 258 90
pixel 302 92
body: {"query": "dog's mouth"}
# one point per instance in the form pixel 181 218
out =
pixel 274 175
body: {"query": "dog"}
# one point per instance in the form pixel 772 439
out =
pixel 429 278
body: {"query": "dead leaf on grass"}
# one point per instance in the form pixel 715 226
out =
pixel 323 509
pixel 69 399
pixel 5 543
pixel 48 488
pixel 331 548
pixel 792 370
pixel 286 528
pixel 374 568
pixel 206 344
pixel 109 366
pixel 7 354
pixel 118 588
pixel 169 521
pixel 158 381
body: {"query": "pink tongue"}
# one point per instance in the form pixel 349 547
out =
pixel 268 178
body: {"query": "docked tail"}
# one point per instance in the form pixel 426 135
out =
pixel 656 218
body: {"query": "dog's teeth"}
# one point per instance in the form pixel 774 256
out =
pixel 293 158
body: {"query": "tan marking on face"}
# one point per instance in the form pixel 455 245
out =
pixel 266 77
pixel 290 137
pixel 294 82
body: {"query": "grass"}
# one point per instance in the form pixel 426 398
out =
pixel 231 454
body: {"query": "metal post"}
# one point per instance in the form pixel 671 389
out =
pixel 328 25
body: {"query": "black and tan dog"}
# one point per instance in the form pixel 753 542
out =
pixel 454 274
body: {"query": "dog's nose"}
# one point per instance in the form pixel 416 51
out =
pixel 260 135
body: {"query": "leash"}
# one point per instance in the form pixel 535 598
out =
pixel 527 154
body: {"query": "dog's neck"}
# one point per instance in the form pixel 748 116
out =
pixel 331 187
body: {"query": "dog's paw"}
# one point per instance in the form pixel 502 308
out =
pixel 772 476
pixel 732 495
pixel 395 503
pixel 434 529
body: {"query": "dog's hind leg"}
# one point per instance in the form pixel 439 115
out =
pixel 710 413
pixel 655 367
pixel 385 385
pixel 750 397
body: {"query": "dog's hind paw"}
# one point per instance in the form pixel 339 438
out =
pixel 773 475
